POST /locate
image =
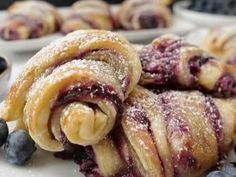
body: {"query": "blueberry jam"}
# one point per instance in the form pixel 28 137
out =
pixel 214 118
pixel 226 86
pixel 83 156
pixel 195 64
pixel 159 61
pixel 151 20
pixel 90 91
pixel 3 65
pixel 185 159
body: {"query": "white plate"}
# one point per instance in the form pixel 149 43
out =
pixel 178 27
pixel 202 19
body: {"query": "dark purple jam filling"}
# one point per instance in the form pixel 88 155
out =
pixel 215 120
pixel 148 20
pixel 83 156
pixel 225 86
pixel 195 63
pixel 185 159
pixel 13 34
pixel 139 116
pixel 93 90
pixel 151 20
pixel 124 151
pixel 160 62
pixel 35 25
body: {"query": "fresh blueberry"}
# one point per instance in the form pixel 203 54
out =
pixel 3 64
pixel 19 147
pixel 3 131
pixel 218 174
pixel 229 169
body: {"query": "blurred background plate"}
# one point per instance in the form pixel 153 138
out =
pixel 179 27
pixel 196 37
pixel 200 18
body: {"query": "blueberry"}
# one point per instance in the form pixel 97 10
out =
pixel 3 64
pixel 3 131
pixel 218 174
pixel 229 169
pixel 19 147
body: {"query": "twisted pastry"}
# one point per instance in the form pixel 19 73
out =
pixel 89 14
pixel 171 62
pixel 170 134
pixel 221 42
pixel 141 14
pixel 74 86
pixel 30 19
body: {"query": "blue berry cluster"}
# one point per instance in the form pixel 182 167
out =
pixel 18 145
pixel 222 7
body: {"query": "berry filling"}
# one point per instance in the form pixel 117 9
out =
pixel 83 156
pixel 159 62
pixel 91 91
pixel 150 20
pixel 35 26
pixel 225 86
pixel 214 118
pixel 184 159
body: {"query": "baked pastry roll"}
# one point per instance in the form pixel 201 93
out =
pixel 171 62
pixel 30 19
pixel 76 85
pixel 88 14
pixel 170 134
pixel 221 42
pixel 142 14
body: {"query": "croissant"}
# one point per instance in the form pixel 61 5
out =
pixel 221 43
pixel 141 14
pixel 162 135
pixel 89 14
pixel 30 19
pixel 76 85
pixel 171 62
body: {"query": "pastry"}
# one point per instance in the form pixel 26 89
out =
pixel 76 85
pixel 171 62
pixel 30 19
pixel 142 14
pixel 89 14
pixel 170 134
pixel 221 42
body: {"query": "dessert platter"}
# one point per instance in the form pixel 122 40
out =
pixel 164 109
pixel 25 27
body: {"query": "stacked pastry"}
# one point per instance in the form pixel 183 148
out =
pixel 221 42
pixel 31 19
pixel 142 14
pixel 73 104
pixel 89 14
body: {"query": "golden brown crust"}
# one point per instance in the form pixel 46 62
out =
pixel 89 14
pixel 108 62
